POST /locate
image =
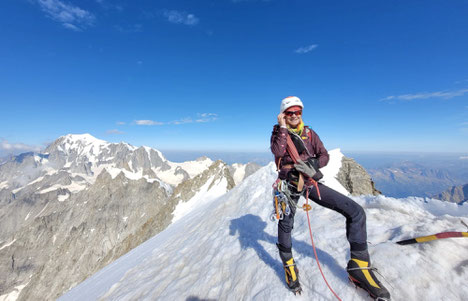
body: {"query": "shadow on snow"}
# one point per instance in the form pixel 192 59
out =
pixel 251 229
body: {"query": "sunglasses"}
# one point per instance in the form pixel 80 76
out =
pixel 290 113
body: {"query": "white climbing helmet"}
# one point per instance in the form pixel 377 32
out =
pixel 290 101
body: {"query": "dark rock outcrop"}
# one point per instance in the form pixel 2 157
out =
pixel 355 178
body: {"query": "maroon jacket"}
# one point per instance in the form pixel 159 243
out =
pixel 311 140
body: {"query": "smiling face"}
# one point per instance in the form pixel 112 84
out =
pixel 293 116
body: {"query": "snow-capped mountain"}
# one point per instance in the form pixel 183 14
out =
pixel 85 156
pixel 225 249
pixel 72 164
pixel 67 212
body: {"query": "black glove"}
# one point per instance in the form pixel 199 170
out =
pixel 314 163
pixel 307 170
pixel 318 176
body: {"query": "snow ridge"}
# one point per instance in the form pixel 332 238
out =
pixel 225 249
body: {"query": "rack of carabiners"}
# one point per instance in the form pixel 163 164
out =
pixel 282 200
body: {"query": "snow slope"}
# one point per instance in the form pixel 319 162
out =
pixel 225 250
pixel 204 195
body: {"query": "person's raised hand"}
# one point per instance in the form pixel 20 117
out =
pixel 282 119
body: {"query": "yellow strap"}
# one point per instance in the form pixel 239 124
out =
pixel 365 264
pixel 276 207
pixel 290 264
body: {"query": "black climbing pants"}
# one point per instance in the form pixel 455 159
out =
pixel 355 218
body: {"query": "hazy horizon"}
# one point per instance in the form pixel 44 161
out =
pixel 367 158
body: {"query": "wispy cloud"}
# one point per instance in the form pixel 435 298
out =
pixel 115 132
pixel 206 117
pixel 71 26
pixel 70 16
pixel 306 49
pixel 179 17
pixel 201 118
pixel 426 95
pixel 148 122
pixel 120 123
pixel 182 121
pixel 7 148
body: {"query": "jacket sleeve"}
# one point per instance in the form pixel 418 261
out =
pixel 278 141
pixel 319 150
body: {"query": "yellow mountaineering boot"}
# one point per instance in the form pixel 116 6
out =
pixel 291 273
pixel 361 274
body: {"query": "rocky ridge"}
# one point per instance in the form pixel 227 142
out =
pixel 355 178
pixel 455 194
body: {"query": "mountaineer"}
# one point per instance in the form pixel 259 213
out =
pixel 293 178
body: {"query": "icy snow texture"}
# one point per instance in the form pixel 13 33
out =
pixel 3 185
pixel 225 250
pixel 331 170
pixel 239 172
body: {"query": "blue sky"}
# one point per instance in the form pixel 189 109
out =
pixel 210 75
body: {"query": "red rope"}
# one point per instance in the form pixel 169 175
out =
pixel 313 246
pixel 291 148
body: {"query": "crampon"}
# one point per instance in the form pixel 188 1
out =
pixel 361 274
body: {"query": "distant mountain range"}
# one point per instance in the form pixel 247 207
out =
pixel 413 179
pixel 67 212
